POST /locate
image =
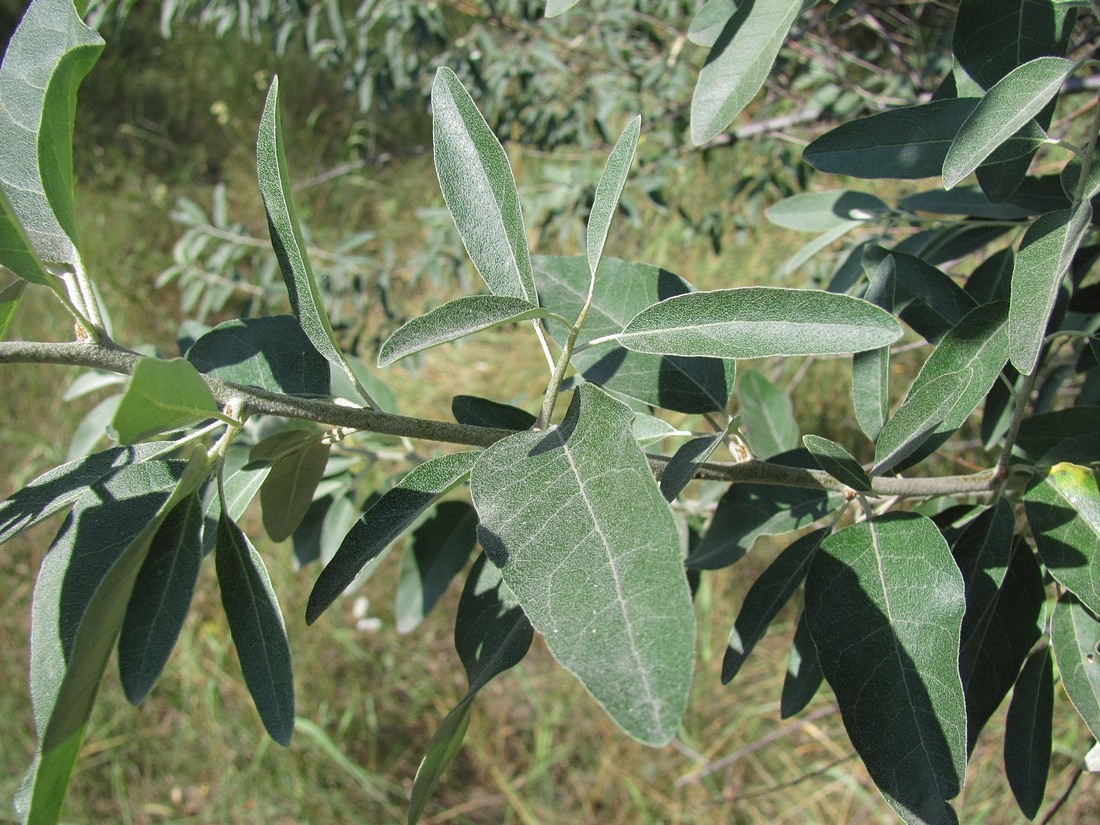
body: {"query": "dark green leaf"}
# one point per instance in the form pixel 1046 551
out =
pixel 1063 509
pixel 962 200
pixel 445 745
pixel 917 418
pixel 1045 255
pixel 161 396
pixel 480 191
pixel 162 594
pixel 681 469
pixel 1075 636
pixel 10 298
pixel 748 511
pixel 1072 434
pixel 767 596
pixel 738 63
pixel 1029 732
pixel 838 462
pixel 940 302
pixel 991 280
pixel 871 389
pixel 885 605
pixel 456 319
pixel 804 674
pixel 389 517
pixel 759 322
pixel 272 353
pixel 691 385
pixel 605 202
pixel 583 537
pixel 48 56
pixel 281 444
pixel 767 417
pixel 286 237
pixel 288 490
pixel 481 412
pixel 259 634
pixel 440 549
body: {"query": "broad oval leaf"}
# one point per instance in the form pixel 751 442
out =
pixel 456 319
pixel 838 462
pixel 256 623
pixel 608 191
pixel 160 396
pixel 48 56
pixel 1075 637
pixel 767 596
pixel 739 61
pixel 389 517
pixel 286 237
pixel 1029 732
pixel 825 211
pixel 1045 255
pixel 272 353
pixel 583 537
pixel 288 490
pixel 480 191
pixel 1063 509
pixel 690 385
pixel 1008 105
pixel 767 417
pixel 759 322
pixel 885 605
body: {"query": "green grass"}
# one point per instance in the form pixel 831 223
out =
pixel 539 750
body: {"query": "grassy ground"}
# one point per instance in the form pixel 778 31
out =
pixel 539 750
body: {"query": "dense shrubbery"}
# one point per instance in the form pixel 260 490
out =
pixel 927 599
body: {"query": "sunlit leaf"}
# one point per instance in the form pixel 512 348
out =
pixel 759 322
pixel 767 417
pixel 708 22
pixel 837 462
pixel 16 251
pixel 556 7
pixel 160 396
pixel 10 298
pixel 608 191
pixel 583 537
pixel 917 418
pixel 871 389
pixel 456 319
pixel 1029 733
pixel 1075 636
pixel 823 211
pixel 885 605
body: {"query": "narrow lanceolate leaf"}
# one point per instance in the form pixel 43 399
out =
pixel 917 418
pixel 825 211
pixel 256 623
pixel 1008 105
pixel 49 55
pixel 838 462
pixel 871 389
pixel 804 674
pixel 1004 597
pixel 608 191
pixel 1063 509
pixel 286 237
pixel 441 546
pixel 940 303
pixel 767 596
pixel 481 412
pixel 162 396
pixel 556 7
pixel 1029 732
pixel 738 63
pixel 767 417
pixel 691 385
pixel 906 143
pixel 161 598
pixel 16 251
pixel 583 537
pixel 288 489
pixel 80 601
pixel 681 469
pixel 454 320
pixel 492 634
pixel 389 517
pixel 885 605
pixel 1075 636
pixel 480 191
pixel 10 298
pixel 1046 253
pixel 759 322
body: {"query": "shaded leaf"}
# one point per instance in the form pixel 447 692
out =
pixel 10 298
pixel 609 189
pixel 1063 509
pixel 272 353
pixel 991 280
pixel 1044 257
pixel 767 596
pixel 481 412
pixel 940 302
pixel 583 537
pixel 16 251
pixel 739 62
pixel 838 462
pixel 759 322
pixel 287 492
pixel 1075 636
pixel 1072 434
pixel 708 22
pixel 691 385
pixel 892 658
pixel 445 744
pixel 1029 732
pixel 259 634
pixel 767 417
pixel 681 468
pixel 160 396
pixel 389 517
pixel 824 211
pixel 440 549
pixel 963 200
pixel 804 674
pixel 871 389
pixel 456 319
pixel 480 191
pixel 649 429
